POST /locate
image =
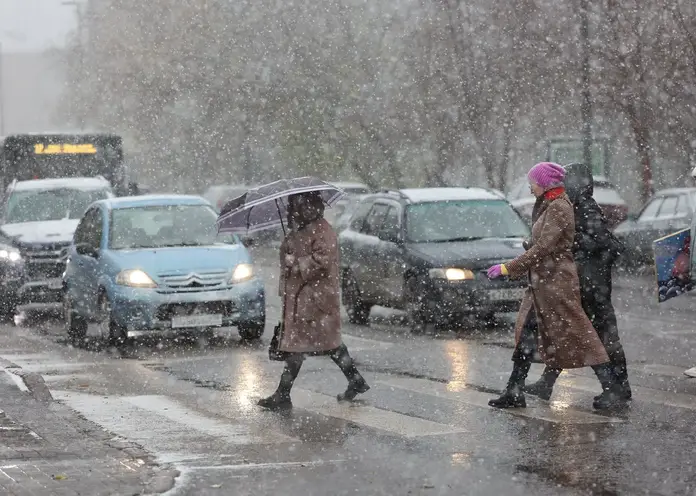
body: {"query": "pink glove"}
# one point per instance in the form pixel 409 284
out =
pixel 495 271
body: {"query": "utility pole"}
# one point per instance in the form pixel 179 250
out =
pixel 586 105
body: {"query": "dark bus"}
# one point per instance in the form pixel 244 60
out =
pixel 45 156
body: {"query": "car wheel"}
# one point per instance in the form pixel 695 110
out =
pixel 419 319
pixel 358 310
pixel 76 325
pixel 115 334
pixel 251 331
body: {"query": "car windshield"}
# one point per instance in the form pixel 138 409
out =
pixel 53 204
pixel 165 225
pixel 463 220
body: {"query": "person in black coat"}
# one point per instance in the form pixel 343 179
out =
pixel 595 250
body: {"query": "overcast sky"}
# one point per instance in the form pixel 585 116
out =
pixel 34 25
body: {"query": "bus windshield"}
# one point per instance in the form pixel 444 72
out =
pixel 30 156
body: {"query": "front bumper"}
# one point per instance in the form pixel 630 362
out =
pixel 480 296
pixel 142 311
pixel 46 294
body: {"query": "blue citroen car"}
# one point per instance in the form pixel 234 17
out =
pixel 155 264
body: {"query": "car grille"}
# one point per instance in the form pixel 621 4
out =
pixel 40 265
pixel 193 281
pixel 166 312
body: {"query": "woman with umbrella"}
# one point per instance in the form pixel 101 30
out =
pixel 309 286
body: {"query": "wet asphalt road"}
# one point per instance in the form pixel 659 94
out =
pixel 423 429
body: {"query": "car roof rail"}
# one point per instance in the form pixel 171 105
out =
pixel 396 192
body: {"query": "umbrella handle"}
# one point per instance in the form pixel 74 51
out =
pixel 281 218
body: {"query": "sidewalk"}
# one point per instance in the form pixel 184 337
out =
pixel 47 449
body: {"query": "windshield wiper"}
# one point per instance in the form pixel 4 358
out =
pixel 454 240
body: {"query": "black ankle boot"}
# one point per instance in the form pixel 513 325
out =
pixel 513 397
pixel 355 387
pixel 613 394
pixel 614 397
pixel 277 401
pixel 543 388
pixel 281 398
pixel 625 391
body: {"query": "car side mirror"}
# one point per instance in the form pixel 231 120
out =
pixel 248 242
pixel 87 250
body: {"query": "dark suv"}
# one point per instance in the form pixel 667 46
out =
pixel 426 251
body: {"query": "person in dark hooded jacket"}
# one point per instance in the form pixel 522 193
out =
pixel 595 250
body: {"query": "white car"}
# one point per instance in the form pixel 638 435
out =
pixel 614 207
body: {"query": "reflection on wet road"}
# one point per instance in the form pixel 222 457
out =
pixel 423 428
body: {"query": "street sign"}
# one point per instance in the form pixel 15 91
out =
pixel 566 151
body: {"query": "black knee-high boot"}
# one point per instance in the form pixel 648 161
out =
pixel 618 361
pixel 513 397
pixel 544 386
pixel 356 382
pixel 612 392
pixel 281 398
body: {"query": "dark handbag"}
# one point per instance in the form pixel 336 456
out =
pixel 273 352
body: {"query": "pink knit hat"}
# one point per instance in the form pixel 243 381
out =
pixel 547 175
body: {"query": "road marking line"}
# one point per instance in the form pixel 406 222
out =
pixel 376 418
pixel 162 425
pixel 163 406
pixel 659 369
pixel 549 413
pixel 365 341
pixel 256 466
pixel 19 382
pixel 655 396
pixel 67 377
pixel 43 362
pixel 5 473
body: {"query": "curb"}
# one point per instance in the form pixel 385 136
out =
pixel 35 384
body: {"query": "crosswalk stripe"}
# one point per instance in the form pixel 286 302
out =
pixel 655 396
pixel 356 342
pixel 659 369
pixel 162 425
pixel 42 362
pixel 549 413
pixel 376 418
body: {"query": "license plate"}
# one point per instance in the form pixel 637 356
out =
pixel 506 294
pixel 203 320
pixel 55 284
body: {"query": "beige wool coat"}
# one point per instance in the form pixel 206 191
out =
pixel 566 337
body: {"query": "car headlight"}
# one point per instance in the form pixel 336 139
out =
pixel 135 278
pixel 242 272
pixel 452 274
pixel 11 255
